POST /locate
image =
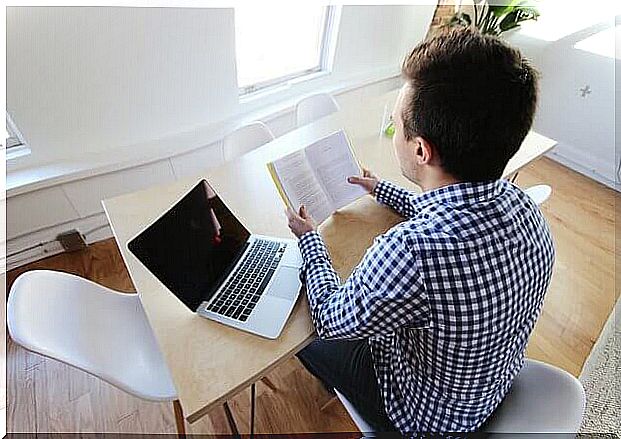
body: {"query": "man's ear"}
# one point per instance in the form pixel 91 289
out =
pixel 423 151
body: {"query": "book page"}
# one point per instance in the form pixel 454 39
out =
pixel 301 187
pixel 332 160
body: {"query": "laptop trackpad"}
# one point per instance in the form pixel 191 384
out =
pixel 286 284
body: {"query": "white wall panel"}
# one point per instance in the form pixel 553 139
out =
pixel 37 210
pixel 576 99
pixel 380 87
pixel 196 162
pixel 86 195
pixel 85 79
pixel 379 36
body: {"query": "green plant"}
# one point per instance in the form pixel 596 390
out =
pixel 496 19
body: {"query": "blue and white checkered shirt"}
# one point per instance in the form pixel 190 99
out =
pixel 446 299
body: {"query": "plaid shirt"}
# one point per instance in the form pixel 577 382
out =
pixel 446 299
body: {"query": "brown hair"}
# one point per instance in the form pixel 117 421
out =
pixel 473 97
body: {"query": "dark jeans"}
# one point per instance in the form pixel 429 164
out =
pixel 347 366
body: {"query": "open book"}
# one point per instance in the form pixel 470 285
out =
pixel 316 176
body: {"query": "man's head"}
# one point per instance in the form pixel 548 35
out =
pixel 466 106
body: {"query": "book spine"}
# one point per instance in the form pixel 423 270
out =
pixel 351 150
pixel 281 191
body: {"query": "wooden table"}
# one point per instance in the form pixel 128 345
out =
pixel 210 362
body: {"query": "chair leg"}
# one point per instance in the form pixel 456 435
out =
pixel 328 404
pixel 231 420
pixel 179 419
pixel 514 177
pixel 269 383
pixel 252 402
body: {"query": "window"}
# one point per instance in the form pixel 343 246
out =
pixel 278 43
pixel 15 145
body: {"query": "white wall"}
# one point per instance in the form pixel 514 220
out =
pixel 583 126
pixel 88 86
pixel 90 79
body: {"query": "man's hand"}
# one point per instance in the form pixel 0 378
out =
pixel 300 223
pixel 368 180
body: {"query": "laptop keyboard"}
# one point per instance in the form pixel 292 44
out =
pixel 239 296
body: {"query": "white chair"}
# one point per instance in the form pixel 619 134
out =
pixel 245 139
pixel 543 399
pixel 362 425
pixel 539 193
pixel 93 328
pixel 314 107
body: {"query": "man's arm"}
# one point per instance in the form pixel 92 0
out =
pixel 384 292
pixel 387 193
pixel 396 197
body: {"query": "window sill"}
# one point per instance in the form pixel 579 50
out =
pixel 24 179
pixel 278 88
pixel 17 151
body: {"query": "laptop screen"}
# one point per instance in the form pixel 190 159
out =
pixel 193 246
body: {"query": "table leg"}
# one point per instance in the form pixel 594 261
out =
pixel 231 420
pixel 269 383
pixel 252 401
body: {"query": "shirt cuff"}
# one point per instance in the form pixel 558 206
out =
pixel 312 247
pixel 385 191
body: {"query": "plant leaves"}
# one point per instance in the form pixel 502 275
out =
pixel 513 18
pixel 504 7
pixel 508 26
pixel 499 11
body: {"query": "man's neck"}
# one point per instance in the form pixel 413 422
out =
pixel 437 182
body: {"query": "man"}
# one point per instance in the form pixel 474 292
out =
pixel 429 331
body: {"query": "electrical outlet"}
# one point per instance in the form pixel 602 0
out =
pixel 72 240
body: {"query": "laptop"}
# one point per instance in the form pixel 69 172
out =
pixel 206 257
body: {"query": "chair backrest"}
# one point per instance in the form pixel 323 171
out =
pixel 245 139
pixel 88 326
pixel 543 399
pixel 314 107
pixel 360 422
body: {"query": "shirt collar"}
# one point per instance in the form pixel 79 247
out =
pixel 461 193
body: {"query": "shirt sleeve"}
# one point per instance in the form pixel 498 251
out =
pixel 398 198
pixel 384 292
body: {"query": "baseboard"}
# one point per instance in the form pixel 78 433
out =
pixel 586 171
pixel 43 244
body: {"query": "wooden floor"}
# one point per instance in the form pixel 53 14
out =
pixel 47 396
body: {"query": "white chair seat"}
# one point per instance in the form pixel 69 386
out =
pixel 543 399
pixel 91 327
pixel 539 193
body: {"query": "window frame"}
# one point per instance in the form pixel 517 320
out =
pixel 15 146
pixel 326 57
